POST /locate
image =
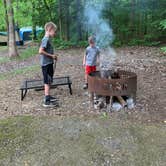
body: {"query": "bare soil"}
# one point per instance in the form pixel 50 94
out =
pixel 147 62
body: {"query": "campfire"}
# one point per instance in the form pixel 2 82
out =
pixel 112 89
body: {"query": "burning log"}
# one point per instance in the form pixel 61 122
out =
pixel 121 101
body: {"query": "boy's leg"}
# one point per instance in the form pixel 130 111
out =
pixel 85 86
pixel 86 82
pixel 88 70
pixel 46 80
pixel 50 80
pixel 47 75
pixel 86 78
pixel 46 89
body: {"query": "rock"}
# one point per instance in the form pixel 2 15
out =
pixel 116 106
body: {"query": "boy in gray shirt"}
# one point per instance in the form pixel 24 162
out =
pixel 47 58
pixel 91 59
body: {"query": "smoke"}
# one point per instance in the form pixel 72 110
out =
pixel 97 26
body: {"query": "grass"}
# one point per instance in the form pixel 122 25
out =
pixel 80 141
pixel 3 48
pixel 28 52
pixel 163 50
pixel 4 59
pixel 15 72
pixel 25 54
pixel 15 133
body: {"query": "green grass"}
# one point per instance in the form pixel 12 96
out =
pixel 80 141
pixel 19 72
pixel 24 54
pixel 3 48
pixel 4 59
pixel 15 134
pixel 28 52
pixel 163 49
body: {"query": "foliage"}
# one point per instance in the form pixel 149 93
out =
pixel 133 22
pixel 2 17
pixel 62 44
pixel 144 42
pixel 163 24
pixel 163 49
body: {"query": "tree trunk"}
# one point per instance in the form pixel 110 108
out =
pixel 6 19
pixel 67 23
pixel 11 31
pixel 132 17
pixel 78 8
pixel 60 19
pixel 145 24
pixel 33 22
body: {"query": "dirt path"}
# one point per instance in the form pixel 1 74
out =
pixel 147 62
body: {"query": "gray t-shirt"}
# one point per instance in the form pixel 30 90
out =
pixel 46 44
pixel 91 55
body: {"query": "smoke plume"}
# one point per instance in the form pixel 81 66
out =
pixel 97 26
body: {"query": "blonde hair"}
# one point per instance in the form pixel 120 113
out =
pixel 91 39
pixel 50 25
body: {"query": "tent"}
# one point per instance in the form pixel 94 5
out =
pixel 26 33
pixel 3 38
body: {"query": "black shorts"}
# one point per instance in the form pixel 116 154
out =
pixel 48 73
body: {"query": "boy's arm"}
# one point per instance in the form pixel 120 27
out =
pixel 84 60
pixel 42 51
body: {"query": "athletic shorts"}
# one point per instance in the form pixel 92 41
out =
pixel 89 69
pixel 48 73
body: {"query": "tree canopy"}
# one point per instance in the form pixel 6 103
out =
pixel 132 21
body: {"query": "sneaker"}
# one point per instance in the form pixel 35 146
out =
pixel 50 98
pixel 53 99
pixel 49 104
pixel 85 86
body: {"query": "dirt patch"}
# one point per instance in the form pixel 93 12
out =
pixel 147 62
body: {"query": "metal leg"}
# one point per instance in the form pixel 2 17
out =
pixel 92 99
pixel 70 89
pixel 23 94
pixel 69 85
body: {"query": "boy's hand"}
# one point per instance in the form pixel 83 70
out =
pixel 55 57
pixel 98 64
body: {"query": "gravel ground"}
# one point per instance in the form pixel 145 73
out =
pixel 147 62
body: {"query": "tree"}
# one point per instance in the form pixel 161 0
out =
pixel 6 19
pixel 132 21
pixel 11 31
pixel 78 19
pixel 60 18
pixel 67 20
pixel 34 37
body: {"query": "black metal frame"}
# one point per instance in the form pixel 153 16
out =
pixel 24 88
